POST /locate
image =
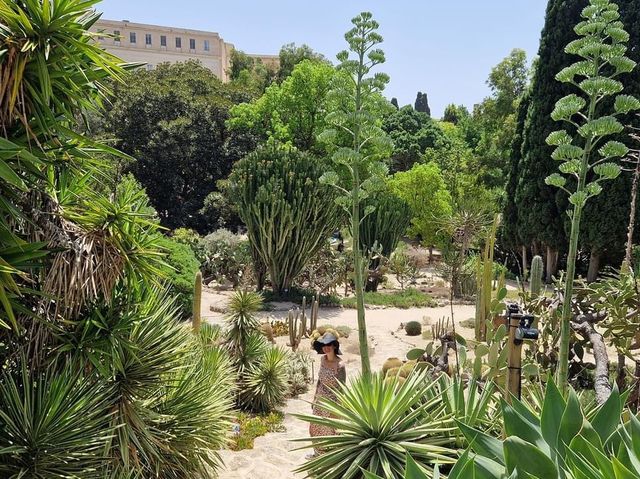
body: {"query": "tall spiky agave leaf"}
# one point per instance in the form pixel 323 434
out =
pixel 53 424
pixel 264 383
pixel 379 422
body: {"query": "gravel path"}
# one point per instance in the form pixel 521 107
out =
pixel 273 455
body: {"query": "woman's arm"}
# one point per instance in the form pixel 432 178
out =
pixel 342 373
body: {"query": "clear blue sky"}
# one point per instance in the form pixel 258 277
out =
pixel 445 48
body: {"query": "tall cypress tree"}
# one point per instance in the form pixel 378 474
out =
pixel 540 221
pixel 510 234
pixel 605 218
pixel 422 103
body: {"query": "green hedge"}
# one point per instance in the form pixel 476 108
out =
pixel 180 273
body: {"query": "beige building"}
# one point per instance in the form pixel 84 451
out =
pixel 152 44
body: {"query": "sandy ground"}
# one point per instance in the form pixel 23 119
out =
pixel 274 455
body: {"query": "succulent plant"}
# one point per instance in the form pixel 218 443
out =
pixel 391 363
pixel 535 280
pixel 413 328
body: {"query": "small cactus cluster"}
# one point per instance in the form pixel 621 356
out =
pixel 413 328
pixel 397 371
pixel 535 280
pixel 298 322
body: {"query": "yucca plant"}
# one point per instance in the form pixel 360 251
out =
pixel 53 424
pixel 264 385
pixel 558 443
pixel 195 406
pixel 378 423
pixel 241 320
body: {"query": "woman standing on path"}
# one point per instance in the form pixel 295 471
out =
pixel 331 372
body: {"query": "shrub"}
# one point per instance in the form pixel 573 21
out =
pixel 180 272
pixel 225 256
pixel 295 295
pixel 299 365
pixel 251 426
pixel 413 328
pixel 343 331
pixel 409 298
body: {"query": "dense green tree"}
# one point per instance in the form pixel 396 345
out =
pixel 455 113
pixel 540 221
pixel 495 117
pixel 290 55
pixel 422 103
pixel 509 234
pixel 412 133
pixel 291 113
pixel 250 73
pixel 172 121
pixel 424 189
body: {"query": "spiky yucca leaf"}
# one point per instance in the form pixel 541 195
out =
pixel 378 423
pixel 241 320
pixel 196 406
pixel 53 424
pixel 264 383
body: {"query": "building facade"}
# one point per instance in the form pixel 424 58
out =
pixel 153 44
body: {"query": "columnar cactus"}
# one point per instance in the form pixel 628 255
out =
pixel 535 281
pixel 197 302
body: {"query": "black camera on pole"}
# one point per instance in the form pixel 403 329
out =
pixel 525 331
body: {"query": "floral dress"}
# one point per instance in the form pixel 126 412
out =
pixel 328 377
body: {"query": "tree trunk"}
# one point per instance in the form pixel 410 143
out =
pixel 552 263
pixel 430 254
pixel 602 386
pixel 524 263
pixel 594 266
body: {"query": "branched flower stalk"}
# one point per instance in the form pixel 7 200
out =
pixel 358 142
pixel 587 158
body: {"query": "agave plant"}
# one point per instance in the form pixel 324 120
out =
pixel 378 423
pixel 412 471
pixel 53 424
pixel 559 443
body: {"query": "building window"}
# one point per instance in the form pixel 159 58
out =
pixel 163 40
pixel 132 37
pixel 178 42
pixel 149 67
pixel 206 46
pixel 192 44
pixel 116 36
pixel 147 39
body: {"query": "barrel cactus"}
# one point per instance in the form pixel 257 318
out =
pixel 391 363
pixel 413 328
